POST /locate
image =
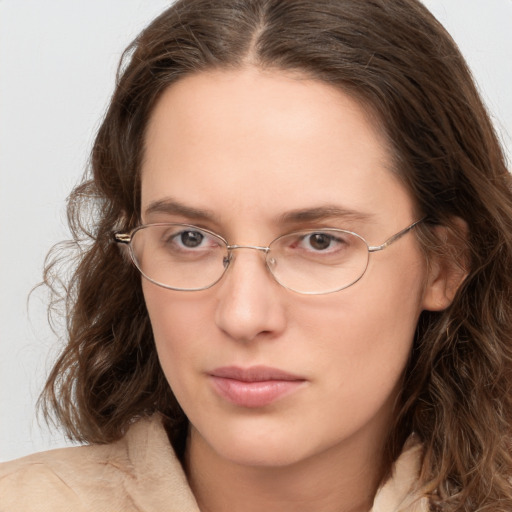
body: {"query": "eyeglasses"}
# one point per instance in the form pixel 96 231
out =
pixel 313 261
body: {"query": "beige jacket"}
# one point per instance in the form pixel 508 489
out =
pixel 140 473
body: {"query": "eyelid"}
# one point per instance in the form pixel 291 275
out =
pixel 324 230
pixel 336 236
pixel 167 219
pixel 206 239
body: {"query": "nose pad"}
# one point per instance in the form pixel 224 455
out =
pixel 231 256
pixel 227 260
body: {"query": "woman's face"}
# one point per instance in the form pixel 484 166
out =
pixel 252 155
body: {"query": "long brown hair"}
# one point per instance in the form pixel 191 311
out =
pixel 399 62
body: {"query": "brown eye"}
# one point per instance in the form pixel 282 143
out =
pixel 191 238
pixel 320 241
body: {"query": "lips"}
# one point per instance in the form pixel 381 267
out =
pixel 254 387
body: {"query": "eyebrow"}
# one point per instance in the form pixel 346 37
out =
pixel 324 213
pixel 172 207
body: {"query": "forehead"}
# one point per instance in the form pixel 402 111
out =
pixel 260 143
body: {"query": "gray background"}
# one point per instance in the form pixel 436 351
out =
pixel 57 65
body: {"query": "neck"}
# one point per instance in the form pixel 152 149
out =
pixel 343 480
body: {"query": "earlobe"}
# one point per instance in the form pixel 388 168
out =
pixel 447 266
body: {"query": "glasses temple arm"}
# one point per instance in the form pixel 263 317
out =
pixel 395 237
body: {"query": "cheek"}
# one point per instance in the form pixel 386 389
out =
pixel 363 342
pixel 179 325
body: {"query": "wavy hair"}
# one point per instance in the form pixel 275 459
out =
pixel 398 61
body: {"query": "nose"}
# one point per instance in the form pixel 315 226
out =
pixel 250 302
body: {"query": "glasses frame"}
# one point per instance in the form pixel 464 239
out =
pixel 126 239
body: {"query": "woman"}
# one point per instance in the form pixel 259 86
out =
pixel 321 214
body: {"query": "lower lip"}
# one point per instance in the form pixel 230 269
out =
pixel 254 394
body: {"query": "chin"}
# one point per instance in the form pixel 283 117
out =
pixel 259 445
pixel 264 455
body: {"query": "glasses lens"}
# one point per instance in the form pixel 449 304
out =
pixel 316 262
pixel 179 256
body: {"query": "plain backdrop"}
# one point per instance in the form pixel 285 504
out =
pixel 57 64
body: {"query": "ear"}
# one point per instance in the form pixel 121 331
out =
pixel 448 265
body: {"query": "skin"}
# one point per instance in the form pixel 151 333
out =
pixel 250 146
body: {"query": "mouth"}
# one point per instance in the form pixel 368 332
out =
pixel 254 387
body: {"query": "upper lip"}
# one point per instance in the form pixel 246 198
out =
pixel 253 374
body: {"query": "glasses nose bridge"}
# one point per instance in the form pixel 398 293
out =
pixel 235 247
pixel 255 247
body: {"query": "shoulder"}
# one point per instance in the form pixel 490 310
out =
pixel 55 480
pixel 402 491
pixel 138 472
